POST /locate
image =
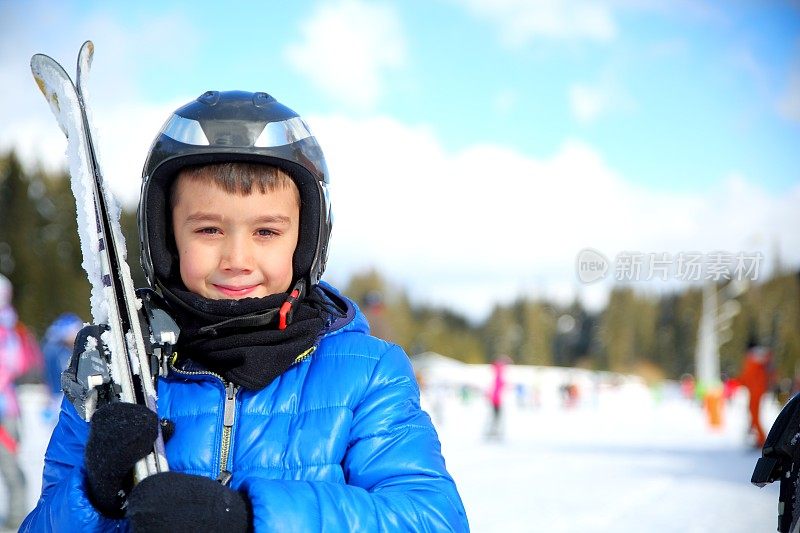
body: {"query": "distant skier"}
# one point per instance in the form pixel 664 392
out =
pixel 498 385
pixel 756 377
pixel 18 354
pixel 688 387
pixel 56 350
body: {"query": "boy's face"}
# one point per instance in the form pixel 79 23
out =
pixel 233 246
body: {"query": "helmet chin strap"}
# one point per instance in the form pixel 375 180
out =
pixel 287 309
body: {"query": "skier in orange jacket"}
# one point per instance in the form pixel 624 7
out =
pixel 757 377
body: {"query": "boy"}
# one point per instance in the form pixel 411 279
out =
pixel 283 413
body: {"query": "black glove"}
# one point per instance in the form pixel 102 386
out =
pixel 120 434
pixel 175 502
pixel 87 380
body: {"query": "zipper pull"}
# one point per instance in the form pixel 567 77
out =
pixel 230 405
pixel 224 478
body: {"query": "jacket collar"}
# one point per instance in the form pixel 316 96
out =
pixel 353 320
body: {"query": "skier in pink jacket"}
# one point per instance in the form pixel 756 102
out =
pixel 496 396
pixel 19 353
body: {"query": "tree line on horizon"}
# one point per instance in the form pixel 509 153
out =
pixel 654 335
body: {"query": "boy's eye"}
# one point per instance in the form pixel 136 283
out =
pixel 266 233
pixel 208 231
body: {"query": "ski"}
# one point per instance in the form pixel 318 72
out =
pixel 126 372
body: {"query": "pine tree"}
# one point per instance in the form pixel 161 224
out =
pixel 39 248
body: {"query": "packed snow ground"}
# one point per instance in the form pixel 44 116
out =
pixel 621 460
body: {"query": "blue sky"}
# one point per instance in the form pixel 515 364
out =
pixel 627 124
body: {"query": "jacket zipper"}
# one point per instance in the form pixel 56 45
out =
pixel 228 417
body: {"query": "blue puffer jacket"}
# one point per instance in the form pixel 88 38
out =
pixel 336 443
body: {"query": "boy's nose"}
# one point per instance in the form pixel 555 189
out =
pixel 237 256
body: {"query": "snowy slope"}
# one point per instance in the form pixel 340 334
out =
pixel 620 461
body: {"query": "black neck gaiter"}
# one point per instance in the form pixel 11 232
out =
pixel 240 339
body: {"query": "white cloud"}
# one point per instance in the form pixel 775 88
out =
pixel 346 49
pixel 522 21
pixel 486 223
pixel 122 155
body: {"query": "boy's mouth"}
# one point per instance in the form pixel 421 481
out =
pixel 236 292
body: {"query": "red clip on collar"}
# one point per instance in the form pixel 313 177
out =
pixel 286 307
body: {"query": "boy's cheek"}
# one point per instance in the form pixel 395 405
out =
pixel 191 270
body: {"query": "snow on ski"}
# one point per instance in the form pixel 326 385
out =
pixel 113 298
pixel 139 359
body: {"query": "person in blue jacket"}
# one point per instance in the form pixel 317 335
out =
pixel 56 351
pixel 280 412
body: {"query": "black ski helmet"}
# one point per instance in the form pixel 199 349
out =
pixel 235 126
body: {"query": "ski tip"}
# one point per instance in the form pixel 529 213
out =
pixel 37 63
pixel 40 62
pixel 88 48
pixel 86 53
